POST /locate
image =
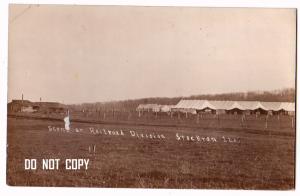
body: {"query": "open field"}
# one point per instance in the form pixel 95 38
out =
pixel 260 122
pixel 253 159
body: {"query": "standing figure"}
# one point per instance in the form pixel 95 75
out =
pixel 67 122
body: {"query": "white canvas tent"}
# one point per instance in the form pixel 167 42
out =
pixel 193 106
pixel 166 108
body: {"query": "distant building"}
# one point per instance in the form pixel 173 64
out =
pixel 154 108
pixel 166 108
pixel 28 109
pixel 19 105
pixel 51 107
pixel 148 108
pixel 27 106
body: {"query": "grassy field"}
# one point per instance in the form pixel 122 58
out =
pixel 254 159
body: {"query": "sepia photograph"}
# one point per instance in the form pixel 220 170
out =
pixel 151 97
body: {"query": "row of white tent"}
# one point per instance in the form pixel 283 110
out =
pixel 155 107
pixel 230 105
pixel 192 106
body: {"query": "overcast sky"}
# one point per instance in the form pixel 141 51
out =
pixel 75 54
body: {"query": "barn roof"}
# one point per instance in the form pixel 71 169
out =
pixel 19 101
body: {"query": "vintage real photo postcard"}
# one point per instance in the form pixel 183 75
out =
pixel 151 97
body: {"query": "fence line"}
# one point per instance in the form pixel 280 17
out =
pixel 198 120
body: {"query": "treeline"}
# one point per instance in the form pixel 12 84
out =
pixel 126 105
pixel 283 95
